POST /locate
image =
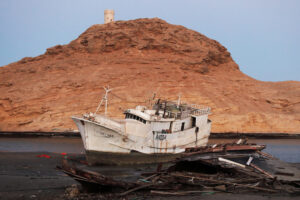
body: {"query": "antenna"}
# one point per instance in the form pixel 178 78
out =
pixel 150 100
pixel 178 101
pixel 154 95
pixel 104 98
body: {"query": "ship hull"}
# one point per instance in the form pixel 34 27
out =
pixel 111 145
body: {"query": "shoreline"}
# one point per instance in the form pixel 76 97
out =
pixel 212 135
pixel 255 135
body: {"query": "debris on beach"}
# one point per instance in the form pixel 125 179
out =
pixel 43 156
pixel 232 168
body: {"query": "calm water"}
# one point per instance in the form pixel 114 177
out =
pixel 285 149
pixel 55 144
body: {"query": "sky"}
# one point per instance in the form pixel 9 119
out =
pixel 263 36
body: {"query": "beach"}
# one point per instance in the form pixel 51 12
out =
pixel 28 170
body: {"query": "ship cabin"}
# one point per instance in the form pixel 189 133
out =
pixel 166 117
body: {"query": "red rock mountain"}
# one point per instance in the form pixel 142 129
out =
pixel 137 58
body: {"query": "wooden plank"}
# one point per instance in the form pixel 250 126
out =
pixel 261 170
pixel 136 188
pixel 226 183
pixel 180 193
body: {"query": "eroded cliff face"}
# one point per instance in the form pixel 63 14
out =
pixel 137 58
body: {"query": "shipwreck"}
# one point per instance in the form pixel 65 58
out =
pixel 154 135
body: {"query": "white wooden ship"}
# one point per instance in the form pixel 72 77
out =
pixel 158 134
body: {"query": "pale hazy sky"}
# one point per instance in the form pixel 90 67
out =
pixel 263 36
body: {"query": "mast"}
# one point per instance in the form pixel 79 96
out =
pixel 104 98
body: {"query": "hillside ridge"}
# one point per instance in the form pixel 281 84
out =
pixel 138 58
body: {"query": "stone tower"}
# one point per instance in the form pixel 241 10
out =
pixel 108 16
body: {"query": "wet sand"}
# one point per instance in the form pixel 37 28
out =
pixel 26 176
pixel 23 175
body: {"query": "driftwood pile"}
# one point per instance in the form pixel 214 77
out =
pixel 189 176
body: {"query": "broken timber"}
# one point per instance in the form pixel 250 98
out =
pixel 203 169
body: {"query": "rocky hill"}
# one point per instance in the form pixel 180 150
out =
pixel 137 58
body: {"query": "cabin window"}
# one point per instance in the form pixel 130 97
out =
pixel 193 121
pixel 131 116
pixel 182 126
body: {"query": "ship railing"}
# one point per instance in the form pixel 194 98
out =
pixel 196 106
pixel 194 109
pixel 203 111
pixel 199 109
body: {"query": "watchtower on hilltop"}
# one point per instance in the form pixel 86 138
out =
pixel 109 16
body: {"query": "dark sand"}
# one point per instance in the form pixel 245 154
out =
pixel 26 176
